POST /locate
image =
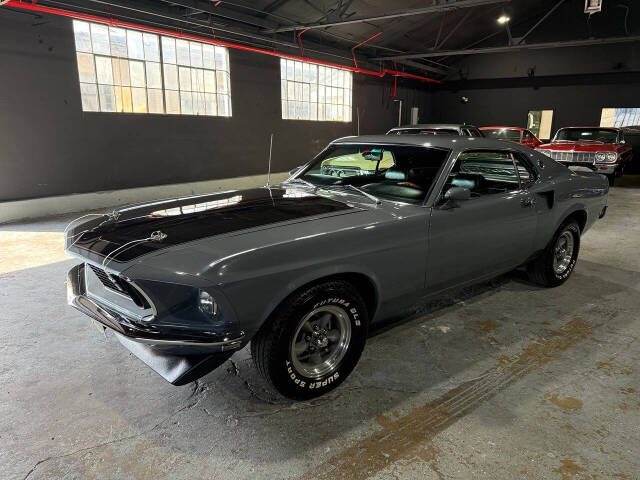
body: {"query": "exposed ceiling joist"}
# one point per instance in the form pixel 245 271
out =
pixel 537 24
pixel 453 30
pixel 421 66
pixel 514 48
pixel 386 16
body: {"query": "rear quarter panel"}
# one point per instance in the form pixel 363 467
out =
pixel 562 192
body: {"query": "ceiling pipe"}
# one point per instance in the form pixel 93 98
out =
pixel 353 52
pixel 299 35
pixel 34 7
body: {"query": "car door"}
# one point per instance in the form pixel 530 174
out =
pixel 490 232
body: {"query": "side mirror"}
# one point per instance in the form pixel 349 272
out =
pixel 294 171
pixel 455 195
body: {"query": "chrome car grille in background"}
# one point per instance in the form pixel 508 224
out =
pixel 567 156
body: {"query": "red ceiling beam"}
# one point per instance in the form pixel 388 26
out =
pixel 34 7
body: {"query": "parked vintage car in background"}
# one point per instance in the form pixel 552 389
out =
pixel 520 135
pixel 437 129
pixel 302 269
pixel 602 149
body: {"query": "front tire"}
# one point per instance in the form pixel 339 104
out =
pixel 612 179
pixel 558 260
pixel 313 341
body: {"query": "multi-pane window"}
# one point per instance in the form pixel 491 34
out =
pixel 315 92
pixel 124 70
pixel 196 78
pixel 620 117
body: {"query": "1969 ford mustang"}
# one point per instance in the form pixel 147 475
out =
pixel 302 269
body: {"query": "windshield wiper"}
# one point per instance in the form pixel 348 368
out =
pixel 366 194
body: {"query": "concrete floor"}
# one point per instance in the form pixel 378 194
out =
pixel 501 381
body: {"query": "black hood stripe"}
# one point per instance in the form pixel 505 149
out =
pixel 193 218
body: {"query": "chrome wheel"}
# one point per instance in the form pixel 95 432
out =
pixel 563 252
pixel 321 341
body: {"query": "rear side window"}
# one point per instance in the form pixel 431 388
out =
pixel 526 172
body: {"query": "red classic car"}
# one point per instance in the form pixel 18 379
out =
pixel 602 149
pixel 513 134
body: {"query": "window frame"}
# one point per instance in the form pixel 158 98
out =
pixel 148 50
pixel 542 110
pixel 436 201
pixel 312 84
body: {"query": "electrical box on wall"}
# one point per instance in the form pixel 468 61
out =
pixel 414 115
pixel 592 6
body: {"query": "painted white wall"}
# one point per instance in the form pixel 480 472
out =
pixel 44 207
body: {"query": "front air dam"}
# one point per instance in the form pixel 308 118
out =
pixel 176 369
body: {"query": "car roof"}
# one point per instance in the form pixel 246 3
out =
pixel 502 128
pixel 420 126
pixel 600 128
pixel 438 141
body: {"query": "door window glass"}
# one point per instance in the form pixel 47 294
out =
pixel 484 172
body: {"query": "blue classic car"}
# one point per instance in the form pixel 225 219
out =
pixel 303 269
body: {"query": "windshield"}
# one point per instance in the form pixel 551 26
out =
pixel 424 131
pixel 394 172
pixel 502 133
pixel 587 134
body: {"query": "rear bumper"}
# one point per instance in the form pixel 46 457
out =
pixel 178 361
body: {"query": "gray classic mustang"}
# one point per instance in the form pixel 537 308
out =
pixel 303 269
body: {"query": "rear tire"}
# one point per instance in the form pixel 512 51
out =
pixel 558 260
pixel 313 341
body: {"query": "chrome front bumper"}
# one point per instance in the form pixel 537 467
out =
pixel 178 361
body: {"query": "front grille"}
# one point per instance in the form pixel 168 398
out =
pixel 567 156
pixel 121 286
pixel 112 283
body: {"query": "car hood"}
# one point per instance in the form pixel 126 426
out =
pixel 580 146
pixel 131 232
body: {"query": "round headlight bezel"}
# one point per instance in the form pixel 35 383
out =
pixel 606 157
pixel 601 156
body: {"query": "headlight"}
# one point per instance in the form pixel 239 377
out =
pixel 207 304
pixel 606 157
